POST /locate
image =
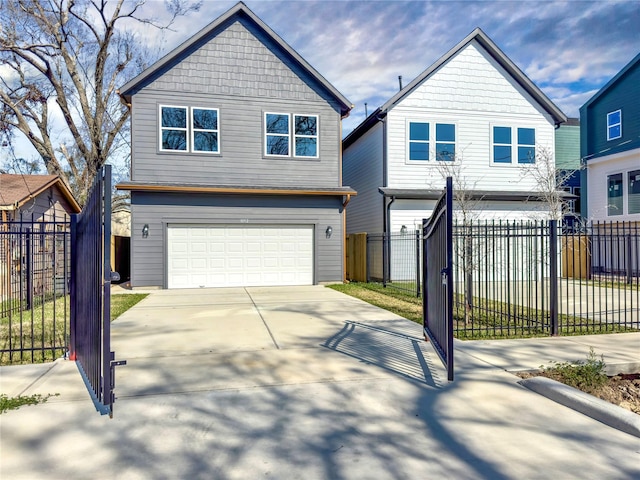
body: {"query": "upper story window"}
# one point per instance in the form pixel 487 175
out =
pixel 614 125
pixel 614 195
pixel 505 149
pixel 280 138
pixel 189 129
pixel 418 141
pixel 444 144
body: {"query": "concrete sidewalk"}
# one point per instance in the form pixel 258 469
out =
pixel 307 383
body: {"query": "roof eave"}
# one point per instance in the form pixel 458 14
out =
pixel 611 82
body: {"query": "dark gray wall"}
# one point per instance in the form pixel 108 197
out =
pixel 241 73
pixel 148 266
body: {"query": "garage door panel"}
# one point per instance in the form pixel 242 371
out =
pixel 216 256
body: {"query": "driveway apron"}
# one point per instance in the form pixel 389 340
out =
pixel 178 341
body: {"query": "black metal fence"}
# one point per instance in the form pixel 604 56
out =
pixel 538 278
pixel 35 268
pixel 395 260
pixel 527 278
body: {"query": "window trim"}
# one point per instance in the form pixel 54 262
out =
pixel 162 129
pixel 629 203
pixel 189 129
pixel 610 126
pixel 610 206
pixel 291 135
pixel 515 145
pixel 409 141
pixel 194 130
pixel 433 141
pixel 294 135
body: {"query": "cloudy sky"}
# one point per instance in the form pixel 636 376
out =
pixel 569 49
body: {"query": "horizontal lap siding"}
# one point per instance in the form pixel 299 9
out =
pixel 236 73
pixel 148 260
pixel 475 93
pixel 362 170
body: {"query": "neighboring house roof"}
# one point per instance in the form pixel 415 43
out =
pixel 613 81
pixel 16 190
pixel 186 48
pixel 493 50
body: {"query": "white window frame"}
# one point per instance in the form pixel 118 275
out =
pixel 611 210
pixel 291 135
pixel 185 129
pixel 514 163
pixel 194 130
pixel 409 141
pixel 433 160
pixel 612 125
pixel 295 136
pixel 189 129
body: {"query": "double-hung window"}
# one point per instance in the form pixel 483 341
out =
pixel 189 129
pixel 513 143
pixel 614 195
pixel 420 143
pixel 291 135
pixel 614 125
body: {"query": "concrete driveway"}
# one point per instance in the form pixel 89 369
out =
pixel 301 382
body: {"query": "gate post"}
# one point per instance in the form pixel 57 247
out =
pixel 73 325
pixel 553 276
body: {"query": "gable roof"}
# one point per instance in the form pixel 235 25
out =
pixel 493 50
pixel 16 190
pixel 613 81
pixel 238 10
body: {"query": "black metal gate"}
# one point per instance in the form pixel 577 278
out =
pixel 437 293
pixel 90 292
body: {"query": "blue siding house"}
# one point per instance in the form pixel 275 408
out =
pixel 610 148
pixel 236 163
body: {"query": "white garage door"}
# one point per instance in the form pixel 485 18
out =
pixel 239 256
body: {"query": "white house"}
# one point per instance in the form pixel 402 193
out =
pixel 473 113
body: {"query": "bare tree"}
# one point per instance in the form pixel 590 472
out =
pixel 550 183
pixel 466 200
pixel 65 59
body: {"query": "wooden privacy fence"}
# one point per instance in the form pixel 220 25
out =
pixel 357 257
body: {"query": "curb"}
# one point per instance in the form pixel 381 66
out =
pixel 596 408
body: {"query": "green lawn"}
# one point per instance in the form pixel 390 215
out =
pixel 42 332
pixel 487 319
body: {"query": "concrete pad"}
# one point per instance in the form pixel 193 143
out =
pixel 530 354
pixel 351 392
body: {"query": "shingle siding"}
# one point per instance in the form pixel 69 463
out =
pixel 242 77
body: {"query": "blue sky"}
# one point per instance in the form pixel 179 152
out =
pixel 569 49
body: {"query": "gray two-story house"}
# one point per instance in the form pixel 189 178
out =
pixel 236 163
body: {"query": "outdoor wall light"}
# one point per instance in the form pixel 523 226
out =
pixel 145 230
pixel 328 231
pixel 403 229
